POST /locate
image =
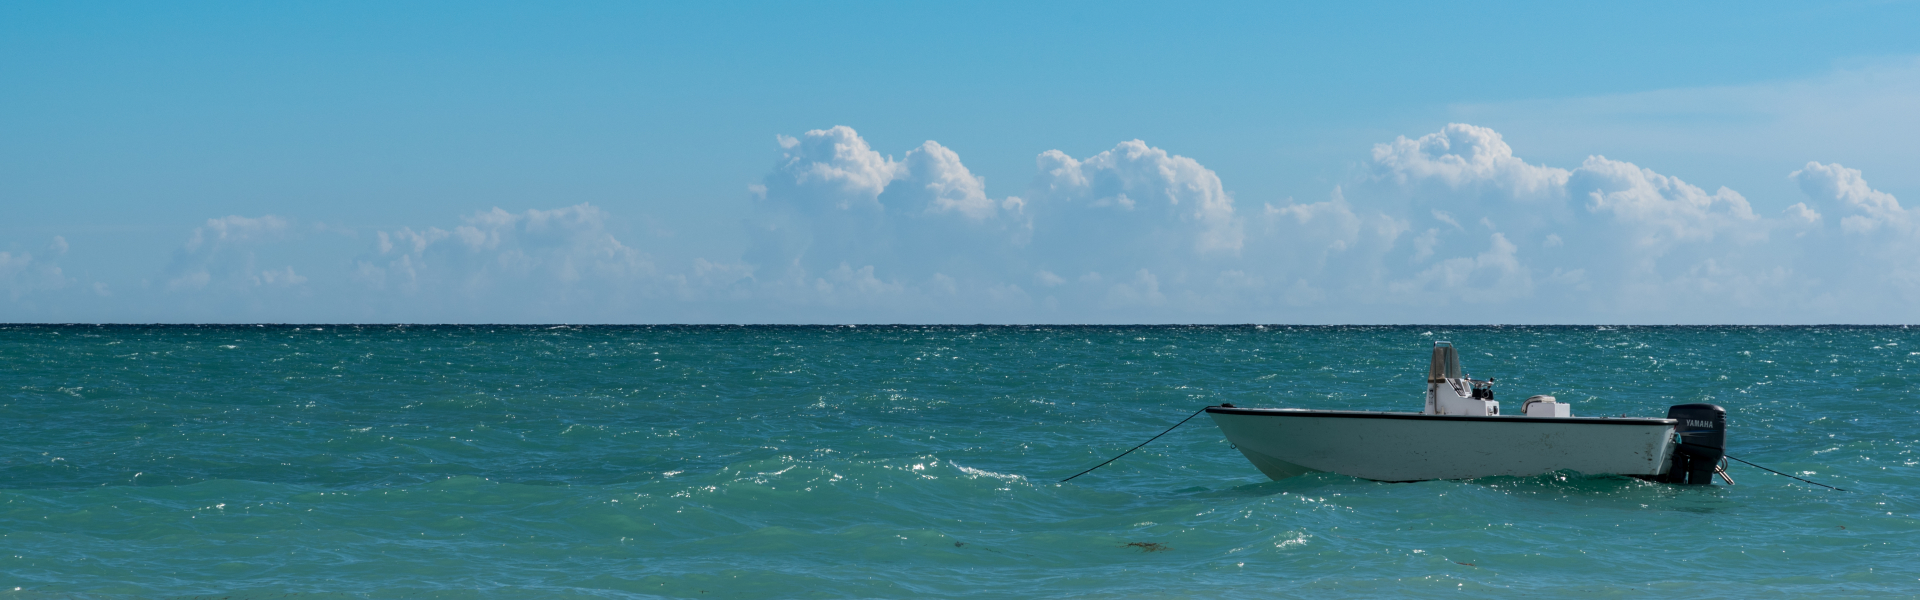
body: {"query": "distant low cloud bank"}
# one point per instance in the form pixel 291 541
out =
pixel 1450 226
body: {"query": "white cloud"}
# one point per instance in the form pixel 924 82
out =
pixel 1463 157
pixel 1657 209
pixel 1166 189
pixel 1142 290
pixel 926 226
pixel 1331 226
pixel 23 273
pixel 1799 212
pixel 1861 113
pixel 859 280
pixel 554 251
pixel 1328 248
pixel 834 166
pixel 283 276
pixel 842 221
pixel 1878 251
pixel 1637 232
pixel 1452 226
pixel 1494 275
pixel 832 199
pixel 1872 209
pixel 932 176
pixel 1471 171
pixel 845 230
pixel 1423 246
pixel 236 229
pixel 224 256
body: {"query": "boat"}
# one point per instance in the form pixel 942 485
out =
pixel 1462 434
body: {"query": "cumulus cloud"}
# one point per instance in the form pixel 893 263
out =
pixel 1470 171
pixel 1144 189
pixel 1861 109
pixel 932 176
pixel 833 167
pixel 1638 232
pixel 1454 222
pixel 1466 158
pixel 837 219
pixel 1454 216
pixel 926 224
pixel 1880 240
pixel 1871 209
pixel 1454 225
pixel 1659 210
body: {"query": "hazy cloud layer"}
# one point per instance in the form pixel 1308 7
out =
pixel 556 263
pixel 1448 226
pixel 25 272
pixel 224 254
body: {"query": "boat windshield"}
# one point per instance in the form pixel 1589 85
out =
pixel 1446 363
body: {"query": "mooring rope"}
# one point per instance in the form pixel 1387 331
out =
pixel 1781 474
pixel 1149 441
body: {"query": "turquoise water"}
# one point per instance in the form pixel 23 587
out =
pixel 799 462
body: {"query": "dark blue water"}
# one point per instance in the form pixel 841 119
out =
pixel 799 462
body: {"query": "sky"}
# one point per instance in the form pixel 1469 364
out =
pixel 1066 162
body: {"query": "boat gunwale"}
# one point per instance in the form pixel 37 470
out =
pixel 1358 414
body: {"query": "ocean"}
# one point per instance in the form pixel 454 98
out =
pixel 331 461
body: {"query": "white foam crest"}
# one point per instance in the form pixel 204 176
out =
pixel 985 473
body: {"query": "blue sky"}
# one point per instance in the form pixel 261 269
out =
pixel 965 163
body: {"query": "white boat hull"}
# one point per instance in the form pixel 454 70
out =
pixel 1285 442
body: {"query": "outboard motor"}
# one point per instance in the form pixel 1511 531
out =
pixel 1703 441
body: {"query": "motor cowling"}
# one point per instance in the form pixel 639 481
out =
pixel 1703 441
